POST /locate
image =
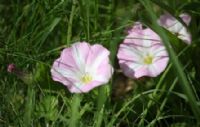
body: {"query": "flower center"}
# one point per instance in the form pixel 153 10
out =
pixel 148 59
pixel 86 78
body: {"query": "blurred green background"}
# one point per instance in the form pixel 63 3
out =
pixel 32 35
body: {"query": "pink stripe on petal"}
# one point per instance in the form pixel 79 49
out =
pixel 66 59
pixel 86 88
pixel 160 65
pixel 186 18
pixel 80 53
pixel 134 38
pixel 159 51
pixel 166 20
pixel 96 56
pixel 103 73
pixel 83 49
pixel 141 71
pixel 60 78
pixel 74 87
pixel 185 35
pixel 129 68
pixel 129 53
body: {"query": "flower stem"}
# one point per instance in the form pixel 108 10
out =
pixel 75 111
pixel 102 95
pixel 152 124
pixel 151 102
pixel 29 106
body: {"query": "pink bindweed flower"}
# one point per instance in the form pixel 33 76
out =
pixel 176 27
pixel 82 67
pixel 142 53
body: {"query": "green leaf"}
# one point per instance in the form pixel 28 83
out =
pixel 47 108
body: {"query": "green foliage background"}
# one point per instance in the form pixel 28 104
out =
pixel 32 34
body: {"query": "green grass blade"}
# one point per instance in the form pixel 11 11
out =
pixel 29 107
pixel 69 27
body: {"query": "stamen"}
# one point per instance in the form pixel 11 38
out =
pixel 148 59
pixel 86 78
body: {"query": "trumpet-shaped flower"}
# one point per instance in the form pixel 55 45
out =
pixel 142 53
pixel 82 67
pixel 176 27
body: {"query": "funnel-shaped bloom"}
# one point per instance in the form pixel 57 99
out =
pixel 142 53
pixel 82 67
pixel 176 27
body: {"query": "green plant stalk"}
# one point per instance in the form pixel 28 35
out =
pixel 110 124
pixel 102 96
pixel 179 69
pixel 45 33
pixel 98 122
pixel 150 103
pixel 96 14
pixel 152 124
pixel 88 21
pixel 83 17
pixel 75 111
pixel 69 28
pixel 29 106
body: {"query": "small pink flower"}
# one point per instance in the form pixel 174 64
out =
pixel 142 54
pixel 24 76
pixel 82 67
pixel 11 68
pixel 174 26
